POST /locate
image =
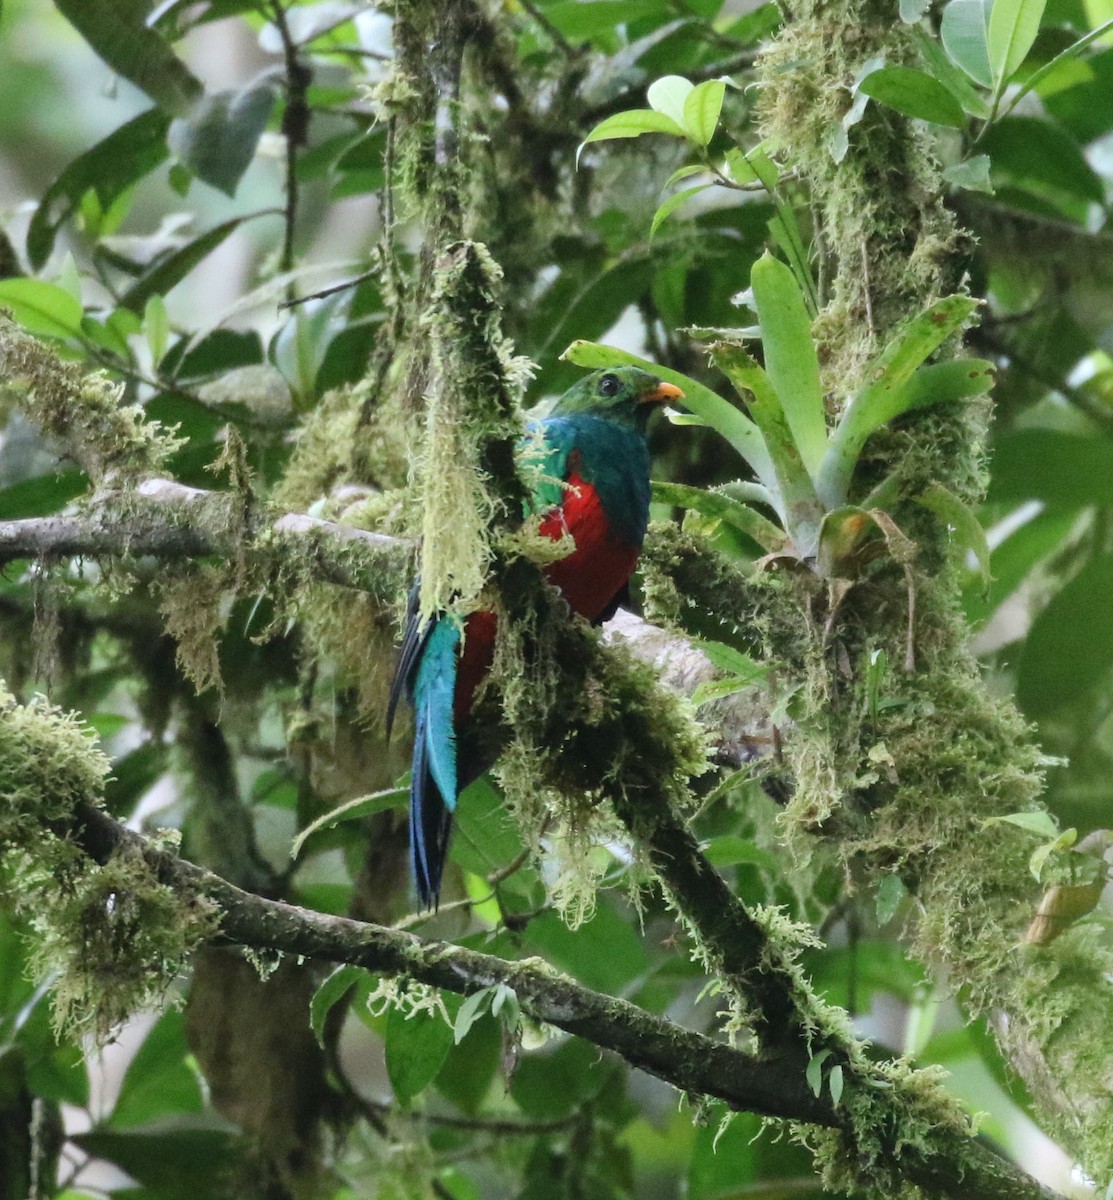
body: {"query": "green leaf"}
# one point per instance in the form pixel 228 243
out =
pixel 1013 25
pixel 217 140
pixel 670 205
pixel 794 493
pixel 631 124
pixel 332 990
pixel 912 11
pixel 416 1048
pixel 813 1073
pixel 702 107
pixel 1037 821
pixel 790 357
pixel 962 519
pixel 42 308
pixel 158 1081
pixel 915 94
pixel 973 174
pixel 890 892
pixel 1060 60
pixel 351 810
pixel 729 850
pixel 957 82
pixel 1064 470
pixel 768 536
pixel 835 1083
pixel 727 420
pixel 1038 859
pixel 470 1011
pixel 156 326
pixel 964 31
pixel 1069 647
pixel 169 270
pixel 117 31
pixel 669 96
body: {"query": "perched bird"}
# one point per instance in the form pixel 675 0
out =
pixel 595 488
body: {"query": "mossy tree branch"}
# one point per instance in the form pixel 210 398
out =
pixel 693 1063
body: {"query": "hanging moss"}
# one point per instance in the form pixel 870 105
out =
pixel 111 938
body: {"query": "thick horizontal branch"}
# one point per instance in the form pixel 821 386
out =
pixel 165 519
pixel 689 1061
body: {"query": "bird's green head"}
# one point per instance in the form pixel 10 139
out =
pixel 626 395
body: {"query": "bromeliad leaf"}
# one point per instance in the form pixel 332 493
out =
pixel 790 357
pixel 768 536
pixel 888 395
pixel 962 519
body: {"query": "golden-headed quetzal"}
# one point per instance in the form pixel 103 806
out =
pixel 595 488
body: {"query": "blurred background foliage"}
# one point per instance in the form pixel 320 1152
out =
pixel 171 174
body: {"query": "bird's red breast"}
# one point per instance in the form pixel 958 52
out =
pixel 589 579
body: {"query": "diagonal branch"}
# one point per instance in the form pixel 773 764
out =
pixel 955 1166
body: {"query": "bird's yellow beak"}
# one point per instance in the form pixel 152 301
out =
pixel 663 393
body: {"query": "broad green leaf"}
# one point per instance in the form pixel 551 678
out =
pixel 631 124
pixel 669 95
pixel 1036 821
pixel 790 357
pixel 888 395
pixel 720 414
pixel 351 810
pixel 217 140
pixel 42 308
pixel 158 1081
pixel 333 989
pixel 118 32
pixel 670 205
pixel 1061 60
pixel 702 107
pixel 915 94
pixel 1033 154
pixel 962 519
pixel 416 1048
pixel 1069 647
pixel 1064 470
pixel 768 536
pixel 964 30
pixel 956 81
pixel 973 174
pixel 171 1159
pixel 1013 25
pixel 109 169
pixel 685 173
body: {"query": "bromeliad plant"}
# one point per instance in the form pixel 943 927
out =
pixel 799 505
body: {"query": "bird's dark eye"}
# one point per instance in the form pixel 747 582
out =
pixel 610 385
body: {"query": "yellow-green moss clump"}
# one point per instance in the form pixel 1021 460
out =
pixel 85 414
pixel 110 938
